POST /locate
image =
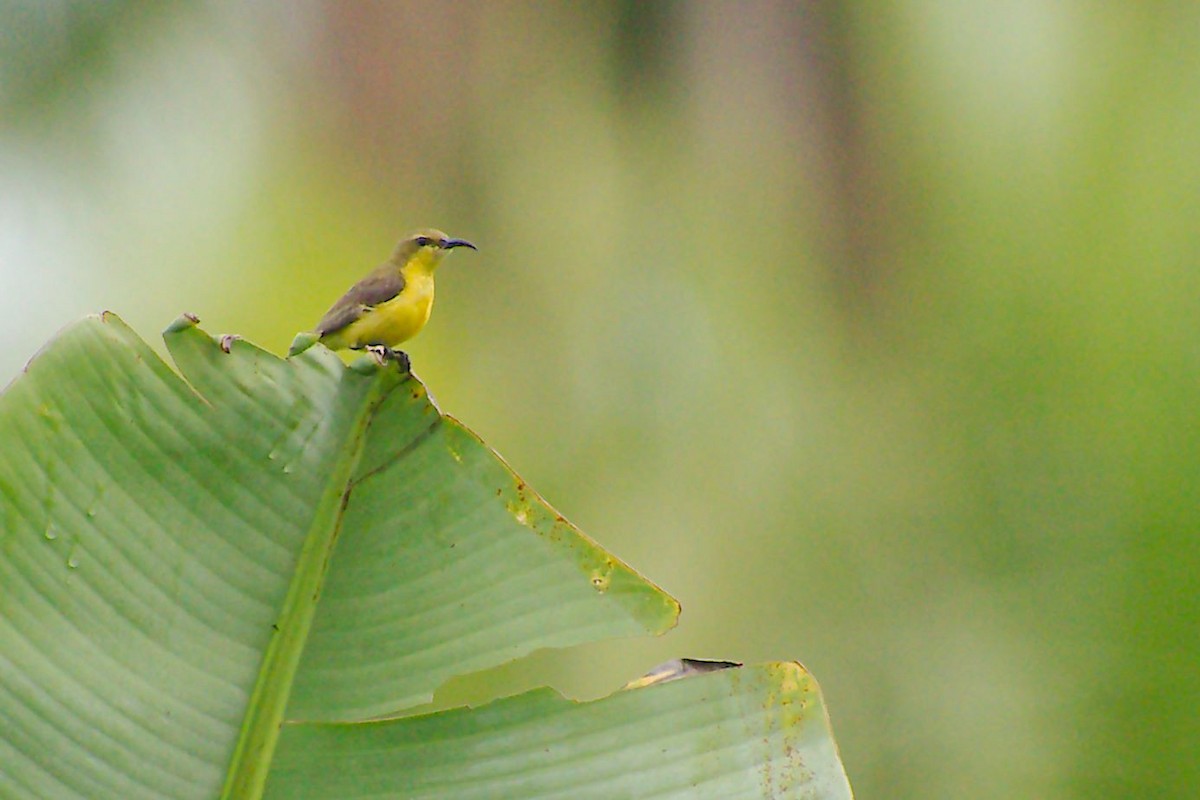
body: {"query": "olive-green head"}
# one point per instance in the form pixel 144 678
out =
pixel 427 246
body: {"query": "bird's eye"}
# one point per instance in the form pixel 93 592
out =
pixel 423 241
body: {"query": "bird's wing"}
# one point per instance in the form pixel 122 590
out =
pixel 376 288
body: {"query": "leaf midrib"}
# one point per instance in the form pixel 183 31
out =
pixel 259 734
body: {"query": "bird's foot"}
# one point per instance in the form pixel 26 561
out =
pixel 383 354
pixel 379 353
pixel 403 360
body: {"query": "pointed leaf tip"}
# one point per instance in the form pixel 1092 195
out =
pixel 184 321
pixel 678 668
pixel 302 342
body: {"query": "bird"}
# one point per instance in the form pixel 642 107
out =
pixel 392 303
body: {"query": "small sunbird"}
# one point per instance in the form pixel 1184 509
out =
pixel 389 306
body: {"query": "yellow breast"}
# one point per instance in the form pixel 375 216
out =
pixel 394 321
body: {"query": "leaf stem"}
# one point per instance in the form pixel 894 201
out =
pixel 251 764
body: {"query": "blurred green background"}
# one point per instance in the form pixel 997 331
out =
pixel 868 330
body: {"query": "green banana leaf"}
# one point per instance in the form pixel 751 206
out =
pixel 209 579
pixel 754 732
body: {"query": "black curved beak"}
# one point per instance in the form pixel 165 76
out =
pixel 450 244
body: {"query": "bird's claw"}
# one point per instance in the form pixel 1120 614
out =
pixel 403 361
pixel 378 352
pixel 383 354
